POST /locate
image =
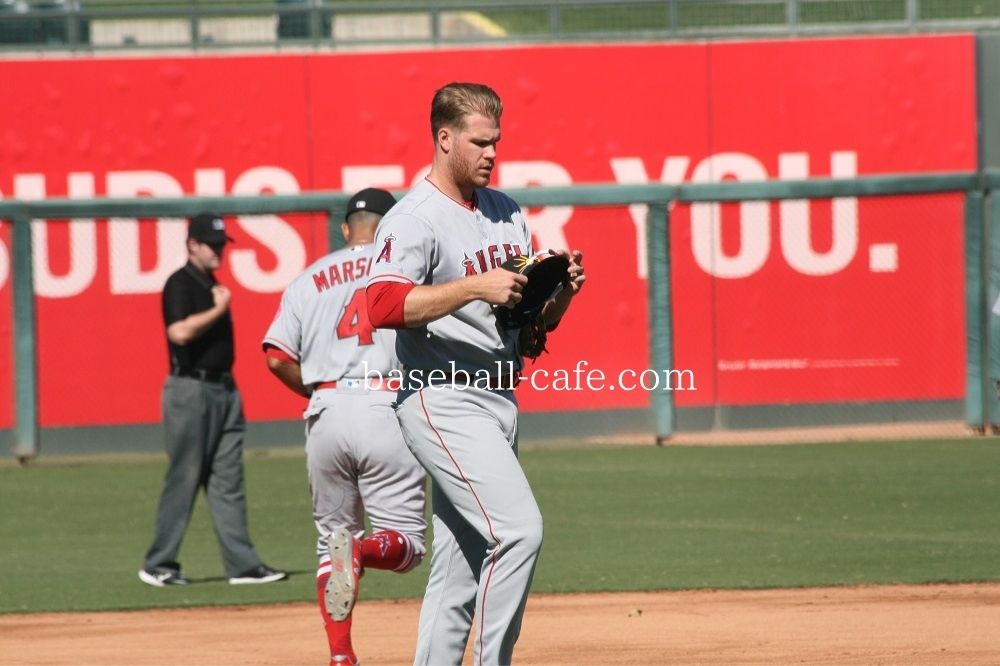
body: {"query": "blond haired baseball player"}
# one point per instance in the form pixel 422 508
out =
pixel 437 279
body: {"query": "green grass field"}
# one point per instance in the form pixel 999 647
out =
pixel 73 532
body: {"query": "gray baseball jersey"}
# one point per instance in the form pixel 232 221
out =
pixel 322 321
pixel 487 527
pixel 355 454
pixel 429 238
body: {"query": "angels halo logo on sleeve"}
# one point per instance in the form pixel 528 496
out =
pixel 386 254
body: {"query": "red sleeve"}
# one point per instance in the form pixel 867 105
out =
pixel 385 303
pixel 274 352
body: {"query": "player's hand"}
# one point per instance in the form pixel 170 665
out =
pixel 575 275
pixel 222 296
pixel 500 287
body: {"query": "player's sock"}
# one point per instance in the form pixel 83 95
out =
pixel 387 549
pixel 338 634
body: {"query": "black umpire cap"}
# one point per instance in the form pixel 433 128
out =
pixel 208 228
pixel 372 200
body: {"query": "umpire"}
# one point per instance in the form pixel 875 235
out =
pixel 203 418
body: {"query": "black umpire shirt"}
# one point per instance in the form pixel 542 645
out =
pixel 187 291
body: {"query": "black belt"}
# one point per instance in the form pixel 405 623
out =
pixel 213 376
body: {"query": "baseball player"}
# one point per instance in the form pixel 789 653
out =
pixel 321 346
pixel 436 279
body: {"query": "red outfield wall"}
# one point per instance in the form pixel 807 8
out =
pixel 850 300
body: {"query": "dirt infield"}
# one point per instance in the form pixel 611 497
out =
pixel 934 624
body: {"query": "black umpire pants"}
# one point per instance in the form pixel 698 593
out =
pixel 204 427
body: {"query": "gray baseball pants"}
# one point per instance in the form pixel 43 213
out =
pixel 487 526
pixel 204 428
pixel 357 462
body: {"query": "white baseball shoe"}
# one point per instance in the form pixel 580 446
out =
pixel 257 575
pixel 162 578
pixel 345 572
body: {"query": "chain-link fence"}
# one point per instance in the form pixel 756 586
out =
pixel 203 24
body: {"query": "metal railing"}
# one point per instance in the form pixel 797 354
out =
pixel 982 226
pixel 109 25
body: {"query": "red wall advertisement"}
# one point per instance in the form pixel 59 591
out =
pixel 773 303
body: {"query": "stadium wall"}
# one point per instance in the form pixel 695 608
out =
pixel 783 311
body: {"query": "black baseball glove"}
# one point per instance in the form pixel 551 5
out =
pixel 547 272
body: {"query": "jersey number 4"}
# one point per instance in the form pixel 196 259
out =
pixel 354 322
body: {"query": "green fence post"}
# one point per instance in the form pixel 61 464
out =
pixel 661 354
pixel 975 300
pixel 435 24
pixel 25 366
pixel 315 22
pixel 335 217
pixel 672 19
pixel 992 304
pixel 334 240
pixel 194 25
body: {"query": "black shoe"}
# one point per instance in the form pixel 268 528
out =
pixel 259 574
pixel 162 578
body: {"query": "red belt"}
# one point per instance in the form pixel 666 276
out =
pixel 370 383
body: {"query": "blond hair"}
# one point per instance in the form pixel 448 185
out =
pixel 454 102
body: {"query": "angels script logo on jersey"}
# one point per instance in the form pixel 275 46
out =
pixel 386 253
pixel 490 258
